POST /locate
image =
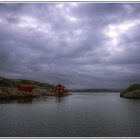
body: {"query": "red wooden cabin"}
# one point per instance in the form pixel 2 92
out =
pixel 60 89
pixel 25 88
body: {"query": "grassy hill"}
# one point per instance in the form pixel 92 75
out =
pixel 9 87
pixel 15 82
pixel 132 92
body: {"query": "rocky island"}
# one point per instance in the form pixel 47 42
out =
pixel 132 92
pixel 9 88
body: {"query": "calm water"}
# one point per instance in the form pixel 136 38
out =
pixel 77 115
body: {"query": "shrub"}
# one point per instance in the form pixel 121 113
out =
pixel 4 89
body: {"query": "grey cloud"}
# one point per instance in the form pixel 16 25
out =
pixel 70 43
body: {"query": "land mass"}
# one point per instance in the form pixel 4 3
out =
pixel 9 88
pixel 132 92
pixel 94 90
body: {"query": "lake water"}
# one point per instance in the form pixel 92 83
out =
pixel 77 115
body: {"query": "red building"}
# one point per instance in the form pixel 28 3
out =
pixel 60 89
pixel 25 88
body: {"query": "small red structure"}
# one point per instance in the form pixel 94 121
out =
pixel 25 88
pixel 60 89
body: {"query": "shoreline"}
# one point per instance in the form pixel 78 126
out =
pixel 29 96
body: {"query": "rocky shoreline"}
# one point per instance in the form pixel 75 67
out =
pixel 9 89
pixel 132 92
pixel 14 93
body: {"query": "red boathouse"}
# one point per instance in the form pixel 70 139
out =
pixel 60 89
pixel 25 88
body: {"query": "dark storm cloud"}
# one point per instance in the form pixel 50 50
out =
pixel 81 45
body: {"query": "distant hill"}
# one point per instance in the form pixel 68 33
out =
pixel 132 92
pixel 94 90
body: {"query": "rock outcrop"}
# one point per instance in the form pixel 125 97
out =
pixel 132 92
pixel 9 88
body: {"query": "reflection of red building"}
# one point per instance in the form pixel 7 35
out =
pixel 25 88
pixel 60 89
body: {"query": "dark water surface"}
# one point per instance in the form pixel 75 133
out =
pixel 77 115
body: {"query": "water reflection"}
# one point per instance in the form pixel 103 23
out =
pixel 59 98
pixel 80 115
pixel 3 101
pixel 18 100
pixel 43 99
pixel 24 100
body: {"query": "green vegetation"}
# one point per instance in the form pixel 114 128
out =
pixel 4 89
pixel 9 88
pixel 132 92
pixel 16 82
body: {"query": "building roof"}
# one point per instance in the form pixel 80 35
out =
pixel 59 85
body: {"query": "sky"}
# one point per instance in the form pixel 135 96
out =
pixel 80 45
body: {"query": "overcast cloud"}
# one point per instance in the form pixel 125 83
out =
pixel 80 45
